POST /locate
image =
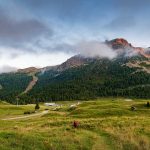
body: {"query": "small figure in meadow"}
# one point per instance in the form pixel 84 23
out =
pixel 75 124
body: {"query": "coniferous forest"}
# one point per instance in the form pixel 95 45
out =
pixel 99 78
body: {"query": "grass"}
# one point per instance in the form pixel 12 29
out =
pixel 104 124
pixel 8 110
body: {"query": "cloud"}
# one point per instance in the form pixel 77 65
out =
pixel 71 12
pixel 19 33
pixel 31 30
pixel 24 59
pixel 6 69
pixel 95 49
pixel 121 23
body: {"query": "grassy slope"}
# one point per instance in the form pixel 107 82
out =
pixel 104 124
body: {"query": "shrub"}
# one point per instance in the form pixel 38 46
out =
pixel 29 112
pixel 148 104
pixel 132 108
pixel 37 106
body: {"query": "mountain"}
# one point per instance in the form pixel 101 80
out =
pixel 127 75
pixel 124 46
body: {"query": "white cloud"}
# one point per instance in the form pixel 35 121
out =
pixel 95 49
pixel 5 69
pixel 12 59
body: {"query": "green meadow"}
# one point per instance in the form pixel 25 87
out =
pixel 104 124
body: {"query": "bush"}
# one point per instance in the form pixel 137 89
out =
pixel 29 112
pixel 133 108
pixel 26 112
pixel 37 106
pixel 148 104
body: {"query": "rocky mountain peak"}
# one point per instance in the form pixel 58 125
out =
pixel 122 45
pixel 119 43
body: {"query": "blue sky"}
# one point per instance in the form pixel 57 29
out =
pixel 49 29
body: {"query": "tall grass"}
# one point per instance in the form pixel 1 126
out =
pixel 103 125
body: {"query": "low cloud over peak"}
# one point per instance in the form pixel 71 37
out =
pixel 95 49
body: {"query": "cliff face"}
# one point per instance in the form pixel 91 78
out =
pixel 119 43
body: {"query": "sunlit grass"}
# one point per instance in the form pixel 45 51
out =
pixel 103 124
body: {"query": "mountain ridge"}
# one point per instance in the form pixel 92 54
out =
pixel 82 77
pixel 78 60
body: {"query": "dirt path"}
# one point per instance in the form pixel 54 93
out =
pixel 31 84
pixel 27 116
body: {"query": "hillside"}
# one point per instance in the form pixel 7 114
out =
pixel 12 84
pixel 127 75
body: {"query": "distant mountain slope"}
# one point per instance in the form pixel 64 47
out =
pixel 12 85
pixel 99 78
pixel 127 75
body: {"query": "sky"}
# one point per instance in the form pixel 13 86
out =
pixel 47 32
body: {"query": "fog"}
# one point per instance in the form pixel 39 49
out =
pixel 95 49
